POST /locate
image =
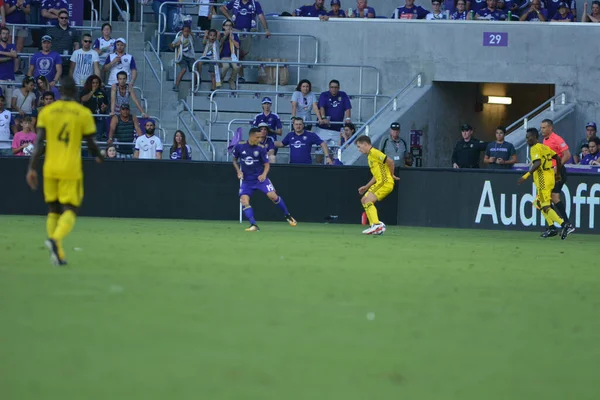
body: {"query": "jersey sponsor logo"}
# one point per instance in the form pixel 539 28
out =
pixel 297 144
pixel 249 160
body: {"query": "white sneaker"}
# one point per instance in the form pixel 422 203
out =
pixel 376 229
pixel 381 228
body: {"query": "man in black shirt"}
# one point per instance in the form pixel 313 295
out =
pixel 467 150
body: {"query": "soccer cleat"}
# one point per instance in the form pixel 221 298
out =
pixel 253 228
pixel 550 232
pixel 567 229
pixel 291 220
pixel 375 229
pixel 54 257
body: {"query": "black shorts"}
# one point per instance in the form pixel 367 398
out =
pixel 563 179
pixel 204 23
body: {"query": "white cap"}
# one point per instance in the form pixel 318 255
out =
pixel 122 40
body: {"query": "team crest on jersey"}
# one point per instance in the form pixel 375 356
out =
pixel 256 154
pixel 5 116
pixel 303 137
pixel 152 142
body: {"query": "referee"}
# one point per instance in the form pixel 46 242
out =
pixel 467 151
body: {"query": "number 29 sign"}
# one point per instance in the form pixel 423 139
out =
pixel 498 39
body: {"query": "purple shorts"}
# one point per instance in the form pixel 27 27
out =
pixel 248 187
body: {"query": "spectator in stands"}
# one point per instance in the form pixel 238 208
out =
pixel 46 63
pixel 268 142
pixel 180 150
pixel 211 52
pixel 535 12
pixel 476 5
pixel 593 158
pixel 345 135
pixel 467 150
pixel 436 12
pixel 336 11
pixel 188 56
pixel 244 14
pixel 8 55
pixel 301 142
pixel 334 106
pixel 563 14
pixel 121 93
pixel 270 118
pixel 47 98
pixel 111 152
pixel 105 44
pixel 206 11
pixel 84 61
pixel 23 99
pixel 23 138
pixel 491 13
pixel 410 11
pixel 311 10
pixel 64 39
pixel 169 10
pixel 124 128
pixel 95 98
pixel 304 101
pixel 393 146
pixel 6 124
pixel 51 10
pixel 508 5
pixel 408 160
pixel 585 150
pixel 500 154
pixel 120 61
pixel 362 10
pixel 148 146
pixel 230 51
pixel 590 132
pixel 595 15
pixel 42 87
pixel 553 7
pixel 16 13
pixel 461 12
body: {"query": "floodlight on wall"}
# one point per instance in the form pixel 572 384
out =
pixel 498 100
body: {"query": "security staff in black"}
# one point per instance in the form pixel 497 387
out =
pixel 467 151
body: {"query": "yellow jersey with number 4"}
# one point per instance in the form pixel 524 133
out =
pixel 543 177
pixel 66 123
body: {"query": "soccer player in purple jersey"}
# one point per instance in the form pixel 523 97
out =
pixel 252 170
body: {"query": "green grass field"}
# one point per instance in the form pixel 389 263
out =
pixel 158 309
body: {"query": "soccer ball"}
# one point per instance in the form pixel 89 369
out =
pixel 28 150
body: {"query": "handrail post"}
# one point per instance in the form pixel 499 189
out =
pixel 563 99
pixel 276 88
pixel 552 105
pixel 360 79
pixel 525 121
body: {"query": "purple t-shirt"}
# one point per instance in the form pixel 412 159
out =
pixel 414 12
pixel 226 50
pixel 244 15
pixel 269 143
pixel 568 17
pixel 16 17
pixel 310 11
pixel 45 64
pixel 457 15
pixel 272 120
pixel 252 159
pixel 50 4
pixel 335 107
pixel 477 5
pixel 301 146
pixel 589 158
pixel 496 15
pixel 176 155
pixel 7 68
pixel 342 14
pixel 534 17
pixel 552 6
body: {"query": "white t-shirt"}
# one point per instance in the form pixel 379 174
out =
pixel 304 104
pixel 24 103
pixel 84 64
pixel 106 46
pixel 148 146
pixel 431 16
pixel 5 121
pixel 127 64
pixel 204 8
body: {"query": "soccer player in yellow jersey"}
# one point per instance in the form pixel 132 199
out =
pixel 379 186
pixel 544 179
pixel 63 125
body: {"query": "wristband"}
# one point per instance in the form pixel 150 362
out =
pixel 527 175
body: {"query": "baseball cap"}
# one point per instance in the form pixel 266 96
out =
pixel 149 120
pixel 395 126
pixel 263 124
pixel 562 4
pixel 466 127
pixel 266 100
pixel 46 38
pixel 125 105
pixel 591 125
pixel 121 40
pixel 335 2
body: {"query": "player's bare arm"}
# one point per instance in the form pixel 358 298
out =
pixel 278 144
pixel 32 176
pixel 559 165
pixel 566 156
pixel 363 189
pixel 262 177
pixel 390 164
pixel 239 172
pixel 534 167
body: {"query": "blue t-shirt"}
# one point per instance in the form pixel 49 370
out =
pixel 414 12
pixel 310 10
pixel 503 150
pixel 301 146
pixel 244 15
pixel 272 120
pixel 252 159
pixel 45 64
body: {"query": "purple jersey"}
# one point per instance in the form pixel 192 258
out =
pixel 45 64
pixel 414 12
pixel 310 11
pixel 589 158
pixel 335 107
pixel 491 15
pixel 52 4
pixel 341 14
pixel 244 14
pixel 534 17
pixel 272 120
pixel 176 155
pixel 269 143
pixel 16 17
pixel 459 15
pixel 252 160
pixel 568 17
pixel 7 68
pixel 477 5
pixel 552 7
pixel 366 12
pixel 301 146
pixel 248 187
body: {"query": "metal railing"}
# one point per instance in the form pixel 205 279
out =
pixel 13 28
pixel 551 102
pixel 194 120
pixel 124 14
pixel 157 75
pixel 393 103
pixel 94 15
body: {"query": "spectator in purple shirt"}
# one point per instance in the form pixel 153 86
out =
pixel 595 15
pixel 301 142
pixel 461 12
pixel 476 5
pixel 336 11
pixel 554 5
pixel 491 13
pixel 410 11
pixel 593 158
pixel 51 9
pixel 334 106
pixel 46 62
pixel 16 11
pixel 7 56
pixel 563 14
pixel 362 10
pixel 270 118
pixel 535 12
pixel 311 10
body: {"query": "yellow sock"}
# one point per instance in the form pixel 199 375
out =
pixel 548 220
pixel 371 211
pixel 65 225
pixel 553 216
pixel 51 222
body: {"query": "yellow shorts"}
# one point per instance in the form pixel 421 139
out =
pixel 65 191
pixel 544 198
pixel 381 190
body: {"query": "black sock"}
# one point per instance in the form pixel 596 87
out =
pixel 562 212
